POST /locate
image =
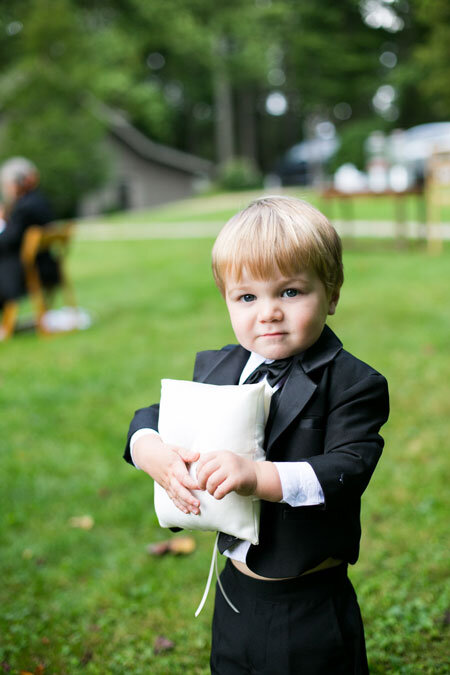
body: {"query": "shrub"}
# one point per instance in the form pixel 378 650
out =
pixel 239 174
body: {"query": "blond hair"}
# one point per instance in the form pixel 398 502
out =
pixel 278 234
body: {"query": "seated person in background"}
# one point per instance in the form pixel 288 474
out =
pixel 24 206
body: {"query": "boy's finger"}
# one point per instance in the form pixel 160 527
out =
pixel 188 455
pixel 185 479
pixel 183 495
pixel 180 506
pixel 205 458
pixel 223 489
pixel 204 472
pixel 186 508
pixel 183 506
pixel 189 482
pixel 215 479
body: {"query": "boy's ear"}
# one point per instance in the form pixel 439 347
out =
pixel 333 302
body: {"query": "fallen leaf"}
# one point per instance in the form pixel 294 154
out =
pixel 160 548
pixel 82 522
pixel 175 546
pixel 162 644
pixel 182 545
pixel 87 656
pixel 39 669
pixel 104 492
pixel 45 640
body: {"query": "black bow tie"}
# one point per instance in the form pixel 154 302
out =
pixel 275 372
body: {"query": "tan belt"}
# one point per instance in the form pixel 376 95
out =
pixel 242 567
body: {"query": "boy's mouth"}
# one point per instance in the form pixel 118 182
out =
pixel 272 334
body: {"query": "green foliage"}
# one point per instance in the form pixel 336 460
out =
pixel 119 75
pixel 93 601
pixel 56 55
pixel 239 174
pixel 45 116
pixel 353 135
pixel 432 55
pixel 68 155
pixel 332 55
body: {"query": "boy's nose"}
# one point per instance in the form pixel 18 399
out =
pixel 270 311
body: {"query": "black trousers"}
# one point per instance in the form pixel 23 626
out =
pixel 310 625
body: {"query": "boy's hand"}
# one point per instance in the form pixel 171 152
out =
pixel 167 465
pixel 222 472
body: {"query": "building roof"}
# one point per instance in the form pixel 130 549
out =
pixel 120 128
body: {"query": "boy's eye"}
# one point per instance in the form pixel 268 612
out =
pixel 290 293
pixel 248 297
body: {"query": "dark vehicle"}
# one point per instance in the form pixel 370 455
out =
pixel 303 164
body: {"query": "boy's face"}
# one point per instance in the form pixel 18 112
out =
pixel 280 316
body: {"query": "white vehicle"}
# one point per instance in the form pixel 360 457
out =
pixel 413 147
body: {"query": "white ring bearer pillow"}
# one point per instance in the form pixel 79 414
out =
pixel 207 418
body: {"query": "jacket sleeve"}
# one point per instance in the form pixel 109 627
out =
pixel 352 444
pixel 12 235
pixel 144 418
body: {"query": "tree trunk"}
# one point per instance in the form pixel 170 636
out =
pixel 223 105
pixel 246 124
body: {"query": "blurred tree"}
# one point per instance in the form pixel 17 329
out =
pixel 199 55
pixel 217 65
pixel 325 58
pixel 431 55
pixel 353 137
pixel 220 80
pixel 332 56
pixel 43 108
pixel 118 69
pixel 400 69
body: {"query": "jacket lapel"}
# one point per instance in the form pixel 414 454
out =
pixel 299 386
pixel 295 394
pixel 224 366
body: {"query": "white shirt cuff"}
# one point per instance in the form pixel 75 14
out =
pixel 299 484
pixel 136 436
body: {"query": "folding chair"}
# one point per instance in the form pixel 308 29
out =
pixel 55 238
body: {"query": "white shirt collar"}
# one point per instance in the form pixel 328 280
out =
pixel 253 362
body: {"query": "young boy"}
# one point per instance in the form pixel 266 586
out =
pixel 278 265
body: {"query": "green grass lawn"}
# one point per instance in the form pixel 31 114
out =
pixel 220 207
pixel 93 601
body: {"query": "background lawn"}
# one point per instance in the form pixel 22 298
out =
pixel 93 601
pixel 220 207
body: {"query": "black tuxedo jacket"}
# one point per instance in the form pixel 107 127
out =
pixel 329 414
pixel 30 209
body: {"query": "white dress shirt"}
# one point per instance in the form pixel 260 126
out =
pixel 299 482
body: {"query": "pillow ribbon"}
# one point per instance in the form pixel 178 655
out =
pixel 213 567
